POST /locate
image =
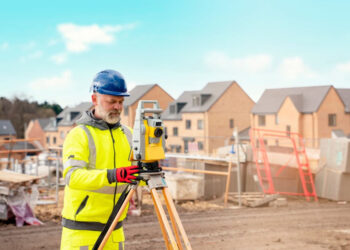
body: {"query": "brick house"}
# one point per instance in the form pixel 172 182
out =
pixel 36 129
pixel 143 92
pixel 56 130
pixel 314 112
pixel 201 121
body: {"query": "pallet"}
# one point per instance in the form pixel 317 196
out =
pixel 253 199
pixel 15 178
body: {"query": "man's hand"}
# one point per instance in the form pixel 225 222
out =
pixel 124 174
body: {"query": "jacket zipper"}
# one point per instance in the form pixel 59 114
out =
pixel 114 164
pixel 110 130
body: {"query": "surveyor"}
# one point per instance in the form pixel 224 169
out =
pixel 96 166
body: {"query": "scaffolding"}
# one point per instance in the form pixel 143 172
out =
pixel 261 139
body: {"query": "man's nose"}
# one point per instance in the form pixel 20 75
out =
pixel 118 106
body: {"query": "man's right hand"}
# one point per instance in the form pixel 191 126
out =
pixel 124 174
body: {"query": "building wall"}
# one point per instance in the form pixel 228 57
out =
pixel 233 104
pixel 332 104
pixel 34 130
pixel 62 132
pixel 124 119
pixel 174 140
pixel 53 139
pixel 308 129
pixel 288 115
pixel 197 134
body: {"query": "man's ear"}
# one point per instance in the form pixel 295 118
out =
pixel 94 99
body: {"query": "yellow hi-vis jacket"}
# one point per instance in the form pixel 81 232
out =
pixel 89 150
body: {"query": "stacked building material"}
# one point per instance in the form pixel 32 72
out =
pixel 332 179
pixel 18 195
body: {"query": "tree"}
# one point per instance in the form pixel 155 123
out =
pixel 21 111
pixel 55 107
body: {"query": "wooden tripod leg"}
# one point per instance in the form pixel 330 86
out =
pixel 173 213
pixel 163 221
pixel 172 218
pixel 116 219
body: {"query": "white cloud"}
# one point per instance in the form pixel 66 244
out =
pixel 52 83
pixel 79 38
pixel 294 67
pixel 32 56
pixel 4 46
pixel 251 64
pixel 59 58
pixel 343 67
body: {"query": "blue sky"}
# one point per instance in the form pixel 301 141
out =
pixel 51 51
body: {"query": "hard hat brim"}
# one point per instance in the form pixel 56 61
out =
pixel 106 92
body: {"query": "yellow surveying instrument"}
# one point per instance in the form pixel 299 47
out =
pixel 148 148
pixel 148 140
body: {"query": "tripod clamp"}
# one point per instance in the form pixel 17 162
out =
pixel 152 174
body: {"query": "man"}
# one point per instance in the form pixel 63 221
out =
pixel 96 166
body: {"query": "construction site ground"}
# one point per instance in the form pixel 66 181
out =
pixel 297 224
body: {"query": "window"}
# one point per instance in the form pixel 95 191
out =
pixel 73 115
pixel 175 131
pixel 288 130
pixel 200 145
pixel 332 120
pixel 232 124
pixel 186 146
pixel 200 124
pixel 172 109
pixel 195 100
pixel 62 135
pixel 48 140
pixel 276 119
pixel 261 120
pixel 188 124
pixel 54 140
pixel 126 111
pixel 175 148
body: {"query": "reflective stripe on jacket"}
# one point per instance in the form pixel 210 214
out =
pixel 88 152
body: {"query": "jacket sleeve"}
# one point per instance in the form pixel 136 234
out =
pixel 76 163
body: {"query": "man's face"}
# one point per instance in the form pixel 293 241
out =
pixel 108 107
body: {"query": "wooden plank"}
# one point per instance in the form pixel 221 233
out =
pixel 253 199
pixel 19 140
pixel 264 201
pixel 12 177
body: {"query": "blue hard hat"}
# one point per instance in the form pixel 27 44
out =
pixel 109 82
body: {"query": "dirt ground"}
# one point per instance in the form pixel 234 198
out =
pixel 209 225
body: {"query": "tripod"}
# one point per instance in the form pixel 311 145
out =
pixel 155 181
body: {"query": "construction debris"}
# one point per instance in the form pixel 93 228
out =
pixel 253 199
pixel 18 195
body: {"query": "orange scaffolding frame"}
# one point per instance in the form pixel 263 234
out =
pixel 258 138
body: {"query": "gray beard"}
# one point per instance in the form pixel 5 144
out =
pixel 111 119
pixel 107 116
